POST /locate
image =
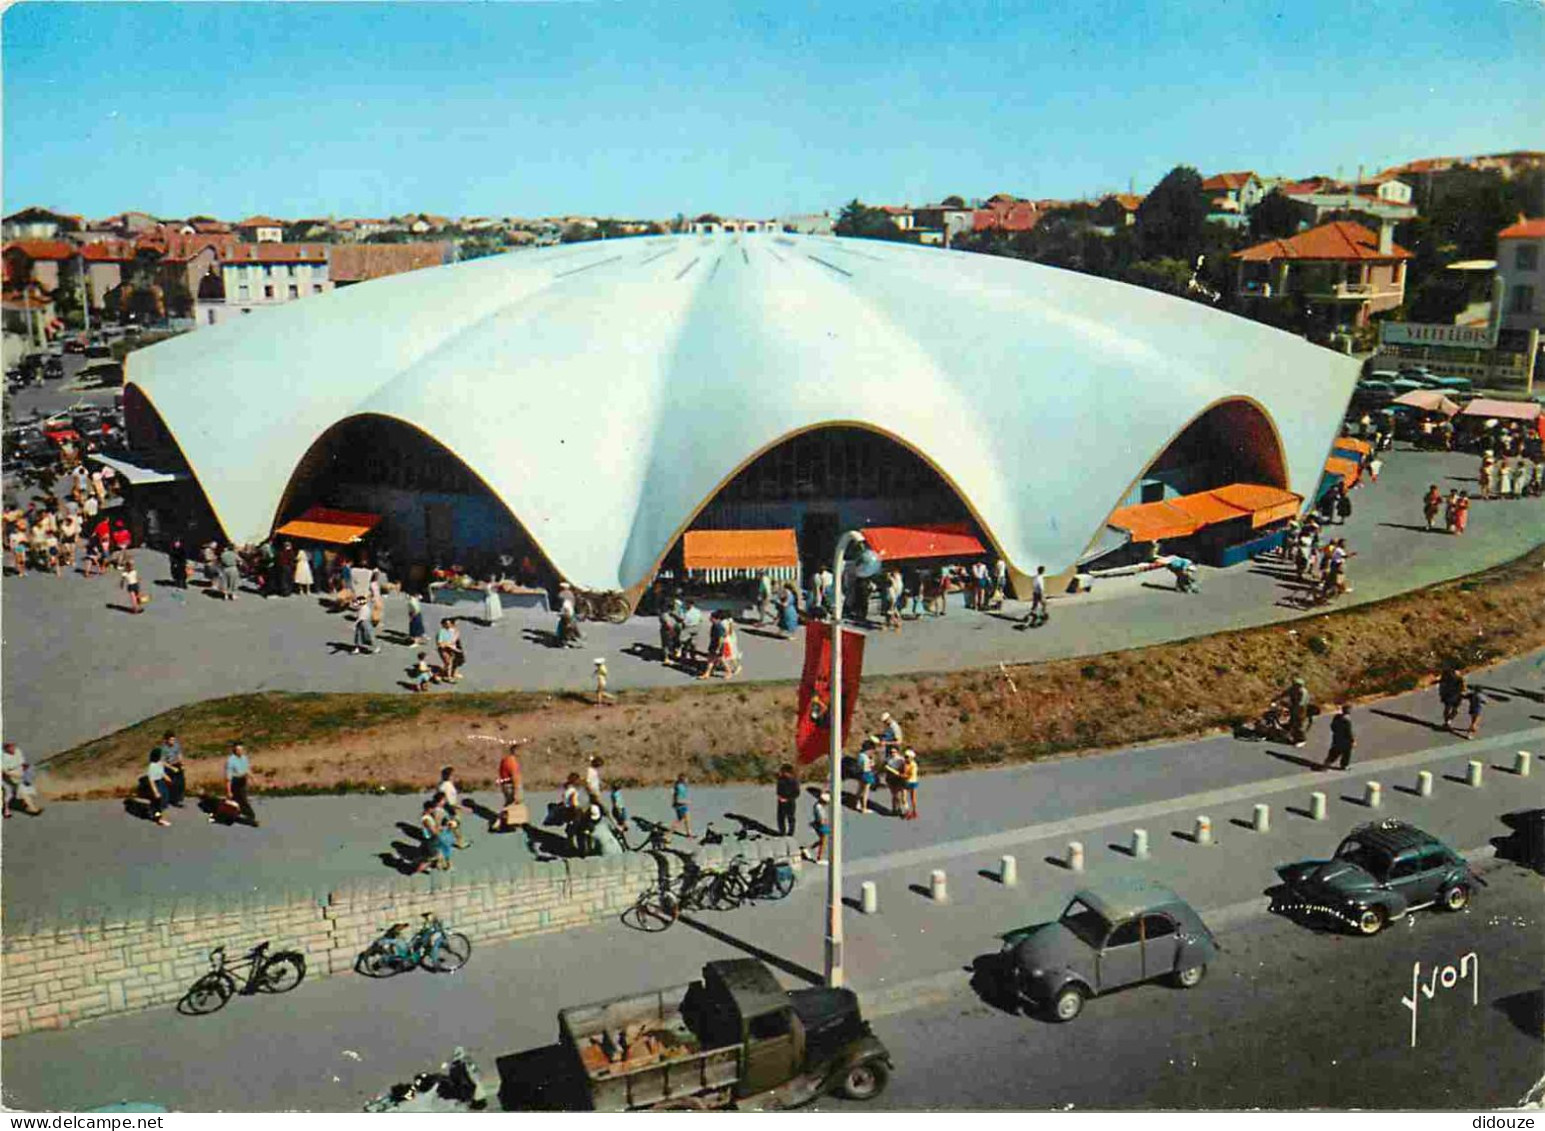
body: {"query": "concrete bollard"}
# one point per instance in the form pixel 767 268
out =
pixel 936 889
pixel 1140 844
pixel 1473 774
pixel 869 897
pixel 1316 806
pixel 1521 763
pixel 1373 795
pixel 1008 871
pixel 1424 783
pixel 1075 856
pixel 1203 833
pixel 1262 823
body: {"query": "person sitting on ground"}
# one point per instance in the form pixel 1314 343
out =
pixel 422 675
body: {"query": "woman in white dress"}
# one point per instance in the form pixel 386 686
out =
pixel 303 577
pixel 493 608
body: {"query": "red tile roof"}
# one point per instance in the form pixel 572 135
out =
pixel 1006 215
pixel 1127 200
pixel 276 253
pixel 1524 230
pixel 1338 240
pixel 43 249
pixel 355 263
pixel 1220 181
pixel 108 251
pixel 260 222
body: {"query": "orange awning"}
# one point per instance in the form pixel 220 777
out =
pixel 1207 508
pixel 1149 522
pixel 1354 445
pixel 938 541
pixel 1264 504
pixel 739 549
pixel 322 524
pixel 1345 468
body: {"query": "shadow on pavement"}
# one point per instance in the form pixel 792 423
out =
pixel 1412 719
pixel 1526 1011
pixel 992 980
pixel 793 969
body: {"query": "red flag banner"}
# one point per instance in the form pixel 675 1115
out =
pixel 812 732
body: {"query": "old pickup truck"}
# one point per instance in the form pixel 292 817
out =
pixel 734 1039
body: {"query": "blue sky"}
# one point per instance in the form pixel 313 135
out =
pixel 648 109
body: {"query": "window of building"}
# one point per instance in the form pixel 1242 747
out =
pixel 290 270
pixel 1523 299
pixel 268 270
pixel 268 290
pixel 244 291
pixel 1526 257
pixel 294 291
pixel 316 288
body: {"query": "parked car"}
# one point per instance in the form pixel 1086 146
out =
pixel 99 352
pixel 1380 872
pixel 1115 934
pixel 1372 394
pixel 1455 387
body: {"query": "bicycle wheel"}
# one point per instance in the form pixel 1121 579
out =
pixel 282 972
pixel 378 961
pixel 728 891
pixel 614 607
pixel 777 880
pixel 208 994
pixel 447 954
pixel 654 911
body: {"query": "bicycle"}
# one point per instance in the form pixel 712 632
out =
pixel 609 605
pixel 431 946
pixel 276 973
pixel 661 904
pixel 737 884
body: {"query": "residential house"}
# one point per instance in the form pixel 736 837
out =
pixel 1383 199
pixel 1521 273
pixel 38 224
pixel 1004 213
pixel 1343 271
pixel 105 260
pixel 127 224
pixel 258 275
pixel 1117 210
pixel 348 264
pixel 1230 196
pixel 901 215
pixel 261 229
pixel 941 223
pixel 209 226
pixel 810 223
pixel 37 261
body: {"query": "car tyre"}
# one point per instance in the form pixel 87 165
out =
pixel 1068 1004
pixel 1370 921
pixel 865 1080
pixel 1189 977
pixel 1456 897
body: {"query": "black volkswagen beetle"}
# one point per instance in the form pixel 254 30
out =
pixel 1380 872
pixel 1115 934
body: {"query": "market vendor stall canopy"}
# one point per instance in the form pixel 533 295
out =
pixel 1428 400
pixel 323 524
pixel 726 553
pixel 940 540
pixel 1502 410
pixel 1183 516
pixel 1265 505
pixel 1344 469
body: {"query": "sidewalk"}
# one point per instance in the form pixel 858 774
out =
pixel 91 855
pixel 77 667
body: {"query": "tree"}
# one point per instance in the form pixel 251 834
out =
pixel 578 233
pixel 1275 216
pixel 858 219
pixel 1171 217
pixel 952 202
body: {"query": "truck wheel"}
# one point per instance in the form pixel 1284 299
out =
pixel 1068 1003
pixel 865 1080
pixel 1370 922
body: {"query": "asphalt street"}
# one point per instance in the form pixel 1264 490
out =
pixel 1287 1018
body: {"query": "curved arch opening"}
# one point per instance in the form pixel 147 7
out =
pixel 1230 445
pixel 818 483
pixel 167 502
pixel 436 512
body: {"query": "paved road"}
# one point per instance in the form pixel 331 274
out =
pixel 77 667
pixel 92 855
pixel 1287 1018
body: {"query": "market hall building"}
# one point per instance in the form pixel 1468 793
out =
pixel 711 406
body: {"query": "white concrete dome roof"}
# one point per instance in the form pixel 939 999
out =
pixel 605 391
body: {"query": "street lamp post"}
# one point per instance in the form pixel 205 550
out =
pixel 867 565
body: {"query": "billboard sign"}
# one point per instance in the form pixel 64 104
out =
pixel 1437 334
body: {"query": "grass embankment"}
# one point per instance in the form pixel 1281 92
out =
pixel 741 732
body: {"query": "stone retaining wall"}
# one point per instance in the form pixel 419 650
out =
pixel 56 974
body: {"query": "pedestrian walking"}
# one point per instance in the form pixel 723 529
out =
pixel 788 611
pixel 866 778
pixel 177 562
pixel 129 580
pixel 593 775
pixel 1432 503
pixel 238 768
pixel 364 635
pixel 1475 702
pixel 176 776
pixel 821 822
pixel 909 776
pixel 1461 513
pixel 764 598
pixel 682 807
pixel 450 804
pixel 230 572
pixel 619 811
pixel 603 698
pixel 155 780
pixel 1375 465
pixel 429 835
pixel 416 632
pixel 509 773
pixel 786 790
pixel 493 607
pixel 15 773
pixel 1038 613
pixel 1341 739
